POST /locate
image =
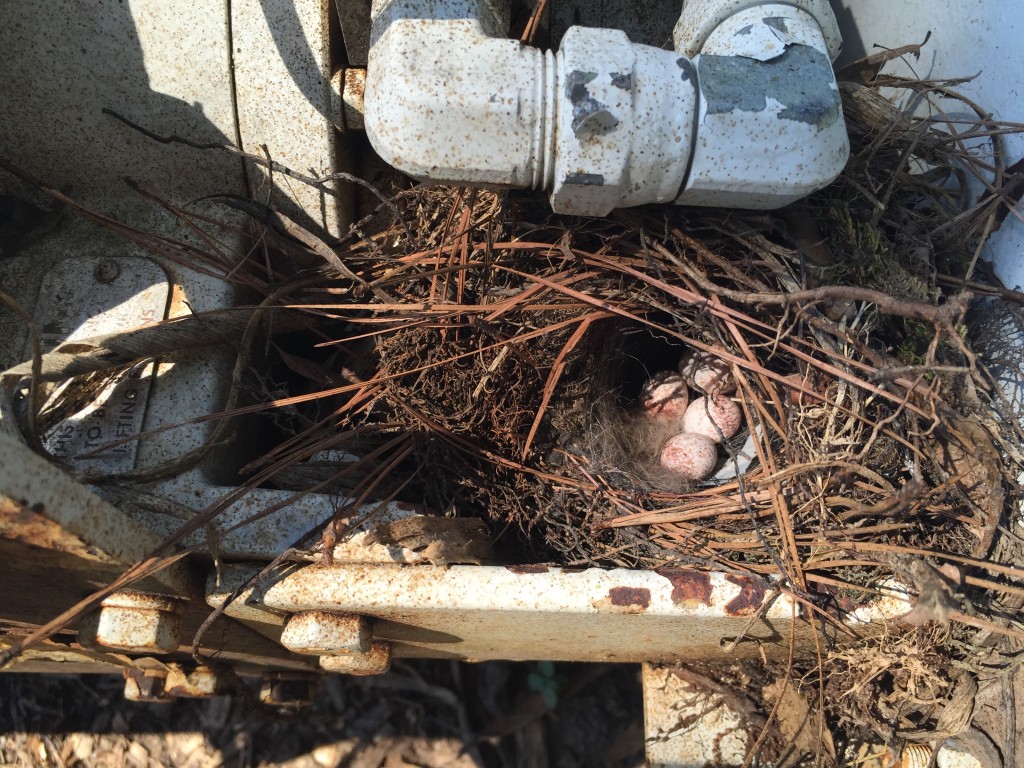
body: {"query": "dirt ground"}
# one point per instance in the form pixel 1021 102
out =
pixel 425 714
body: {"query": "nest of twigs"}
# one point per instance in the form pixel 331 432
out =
pixel 470 352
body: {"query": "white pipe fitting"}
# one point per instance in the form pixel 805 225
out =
pixel 753 120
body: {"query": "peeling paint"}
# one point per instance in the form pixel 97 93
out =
pixel 587 112
pixel 622 597
pixel 687 69
pixel 800 79
pixel 750 598
pixel 520 569
pixel 688 587
pixel 623 80
pixel 585 179
pixel 777 22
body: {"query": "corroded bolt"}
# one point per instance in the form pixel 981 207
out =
pixel 201 683
pixel 172 681
pixel 376 661
pixel 135 622
pixel 145 685
pixel 288 690
pixel 321 633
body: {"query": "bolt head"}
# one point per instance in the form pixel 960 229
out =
pixel 376 661
pixel 133 622
pixel 322 633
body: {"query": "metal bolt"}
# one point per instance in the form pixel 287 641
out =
pixel 321 633
pixel 201 683
pixel 288 690
pixel 145 685
pixel 106 271
pixel 376 661
pixel 135 622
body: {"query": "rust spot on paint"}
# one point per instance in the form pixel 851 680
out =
pixel 630 597
pixel 527 568
pixel 749 599
pixel 688 587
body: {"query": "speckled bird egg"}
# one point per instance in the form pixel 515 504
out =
pixel 716 418
pixel 665 397
pixel 707 373
pixel 692 456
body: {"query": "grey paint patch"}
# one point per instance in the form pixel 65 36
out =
pixel 585 179
pixel 777 22
pixel 687 69
pixel 623 80
pixel 587 112
pixel 800 79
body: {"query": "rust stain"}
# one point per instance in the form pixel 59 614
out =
pixel 25 523
pixel 630 597
pixel 750 598
pixel 688 587
pixel 527 568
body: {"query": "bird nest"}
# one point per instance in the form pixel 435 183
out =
pixel 472 353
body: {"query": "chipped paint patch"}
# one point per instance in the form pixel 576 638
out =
pixel 520 569
pixel 630 597
pixel 800 79
pixel 623 80
pixel 587 112
pixel 686 66
pixel 688 587
pixel 585 179
pixel 749 600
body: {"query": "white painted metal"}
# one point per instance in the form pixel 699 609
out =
pixel 283 70
pixel 770 128
pixel 488 612
pixel 103 530
pixel 702 17
pixel 86 297
pixel 323 633
pixel 375 661
pixel 134 622
pixel 979 40
pixel 605 123
pixel 685 727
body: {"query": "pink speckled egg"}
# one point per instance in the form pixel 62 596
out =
pixel 692 456
pixel 716 418
pixel 707 373
pixel 665 397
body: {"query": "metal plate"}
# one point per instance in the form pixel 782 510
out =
pixel 90 296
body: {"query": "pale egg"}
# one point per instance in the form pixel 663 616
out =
pixel 691 456
pixel 716 418
pixel 665 397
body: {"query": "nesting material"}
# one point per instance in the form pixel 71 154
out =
pixel 479 355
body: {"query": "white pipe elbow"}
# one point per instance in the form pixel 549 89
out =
pixel 447 102
pixel 605 123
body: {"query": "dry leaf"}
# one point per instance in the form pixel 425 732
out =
pixel 805 731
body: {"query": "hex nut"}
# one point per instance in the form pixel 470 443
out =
pixel 591 153
pixel 134 622
pixel 322 633
pixel 375 662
